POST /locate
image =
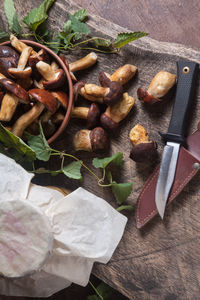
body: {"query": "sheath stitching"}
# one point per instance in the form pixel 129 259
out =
pixel 142 221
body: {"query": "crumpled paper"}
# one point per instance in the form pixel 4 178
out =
pixel 85 228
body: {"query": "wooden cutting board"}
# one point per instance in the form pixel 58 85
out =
pixel 161 261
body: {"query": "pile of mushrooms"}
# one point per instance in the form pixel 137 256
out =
pixel 33 87
pixel 118 105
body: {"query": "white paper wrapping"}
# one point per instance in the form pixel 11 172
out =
pixel 85 229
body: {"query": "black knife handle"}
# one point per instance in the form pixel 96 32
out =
pixel 186 80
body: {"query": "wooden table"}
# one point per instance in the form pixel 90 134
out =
pixel 162 261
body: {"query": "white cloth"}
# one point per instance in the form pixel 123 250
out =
pixel 85 228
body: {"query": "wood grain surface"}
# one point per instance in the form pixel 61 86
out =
pixel 162 261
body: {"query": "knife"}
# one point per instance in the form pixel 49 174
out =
pixel 186 79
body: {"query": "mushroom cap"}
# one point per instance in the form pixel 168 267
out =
pixel 144 96
pixel 8 59
pixel 108 124
pixel 45 98
pixel 77 88
pixel 17 73
pixel 57 82
pixel 99 139
pixel 143 151
pixel 104 79
pixel 93 116
pixel 61 97
pixel 16 89
pixel 115 93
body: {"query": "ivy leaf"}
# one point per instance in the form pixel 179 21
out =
pixel 81 14
pixel 78 27
pixel 127 37
pixel 117 159
pixel 10 12
pixel 38 15
pixel 72 170
pixel 38 143
pixel 16 25
pixel 126 207
pixel 4 36
pixel 14 147
pixel 121 191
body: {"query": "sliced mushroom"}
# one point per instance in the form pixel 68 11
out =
pixel 8 59
pixel 90 114
pixel 21 71
pixel 144 149
pixel 91 140
pixel 55 79
pixel 158 88
pixel 116 113
pixel 44 99
pixel 121 75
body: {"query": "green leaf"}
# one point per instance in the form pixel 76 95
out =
pixel 127 37
pixel 103 292
pixel 16 25
pixel 10 12
pixel 100 42
pixel 117 159
pixel 4 36
pixel 67 27
pixel 81 14
pixel 13 144
pixel 78 27
pixel 126 207
pixel 38 143
pixel 121 191
pixel 38 15
pixel 72 170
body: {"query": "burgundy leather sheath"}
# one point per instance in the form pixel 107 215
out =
pixel 186 169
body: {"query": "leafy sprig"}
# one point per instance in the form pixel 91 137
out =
pixel 74 34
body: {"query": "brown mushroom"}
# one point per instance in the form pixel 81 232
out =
pixel 42 55
pixel 61 97
pixel 15 94
pixel 64 59
pixel 55 79
pixel 143 149
pixel 108 95
pixel 8 59
pixel 91 140
pixel 121 75
pixel 19 45
pixel 116 113
pixel 91 114
pixel 83 63
pixel 158 88
pixel 44 99
pixel 21 71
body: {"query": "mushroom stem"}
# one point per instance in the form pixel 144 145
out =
pixel 95 90
pixel 45 70
pixel 90 97
pixel 80 112
pixel 124 74
pixel 20 71
pixel 83 63
pixel 18 45
pixel 25 120
pixel 2 76
pixel 8 107
pixel 82 140
pixel 24 58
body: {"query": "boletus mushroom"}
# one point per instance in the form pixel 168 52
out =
pixel 91 140
pixel 121 75
pixel 158 88
pixel 91 114
pixel 143 148
pixel 54 78
pixel 116 113
pixel 43 99
pixel 8 59
pixel 21 71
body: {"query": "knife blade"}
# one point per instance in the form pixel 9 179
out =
pixel 186 80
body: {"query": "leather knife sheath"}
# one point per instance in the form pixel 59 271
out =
pixel 187 166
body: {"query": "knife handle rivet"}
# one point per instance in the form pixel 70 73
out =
pixel 186 70
pixel 196 166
